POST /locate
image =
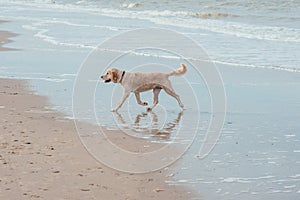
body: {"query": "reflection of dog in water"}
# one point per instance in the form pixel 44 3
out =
pixel 140 82
pixel 153 127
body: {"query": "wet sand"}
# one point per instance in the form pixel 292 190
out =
pixel 5 38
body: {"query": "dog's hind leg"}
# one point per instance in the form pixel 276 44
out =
pixel 170 91
pixel 138 99
pixel 156 92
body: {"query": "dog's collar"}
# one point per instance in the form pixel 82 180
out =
pixel 121 79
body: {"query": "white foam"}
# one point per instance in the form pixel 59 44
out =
pixel 289 186
pixel 244 180
pixel 285 180
pixel 40 111
pixel 42 33
pixel 130 5
pixel 295 176
pixel 72 75
pixel 180 19
pixel 289 135
pixel 280 68
pixel 279 191
pixel 182 181
pixel 37 78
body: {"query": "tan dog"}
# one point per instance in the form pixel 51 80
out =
pixel 140 82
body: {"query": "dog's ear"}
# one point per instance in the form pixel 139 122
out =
pixel 115 76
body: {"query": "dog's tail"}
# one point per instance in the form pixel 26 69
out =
pixel 178 71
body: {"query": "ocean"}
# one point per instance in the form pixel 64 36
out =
pixel 247 32
pixel 254 45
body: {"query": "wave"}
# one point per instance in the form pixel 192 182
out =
pixel 35 78
pixel 210 21
pixel 190 20
pixel 210 15
pixel 235 64
pixel 244 180
pixel 166 17
pixel 51 77
pixel 41 33
pixel 271 67
pixel 131 5
pixel 242 30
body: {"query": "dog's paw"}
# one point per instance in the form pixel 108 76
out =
pixel 145 104
pixel 113 110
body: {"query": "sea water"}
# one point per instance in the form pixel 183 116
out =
pixel 255 45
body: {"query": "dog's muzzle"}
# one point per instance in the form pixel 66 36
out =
pixel 105 81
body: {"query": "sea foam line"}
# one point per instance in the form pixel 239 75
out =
pixel 181 19
pixel 244 180
pixel 35 78
pixel 132 52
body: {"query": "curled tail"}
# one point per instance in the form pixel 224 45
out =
pixel 178 71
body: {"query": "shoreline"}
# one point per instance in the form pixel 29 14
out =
pixel 42 157
pixel 5 38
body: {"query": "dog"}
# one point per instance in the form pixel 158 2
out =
pixel 138 82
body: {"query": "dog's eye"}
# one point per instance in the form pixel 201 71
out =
pixel 107 73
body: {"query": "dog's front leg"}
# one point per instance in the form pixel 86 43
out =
pixel 124 97
pixel 138 99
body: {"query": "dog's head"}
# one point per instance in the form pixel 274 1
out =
pixel 111 75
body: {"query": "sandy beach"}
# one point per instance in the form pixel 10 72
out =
pixel 42 157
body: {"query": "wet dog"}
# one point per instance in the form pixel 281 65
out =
pixel 138 82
